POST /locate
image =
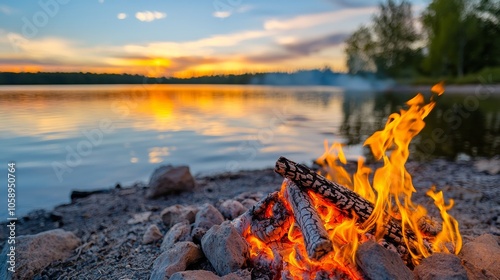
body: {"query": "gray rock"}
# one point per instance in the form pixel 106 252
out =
pixel 197 234
pixel 441 266
pixel 169 179
pixel 151 235
pixel 224 248
pixel 207 217
pixel 174 260
pixel 35 252
pixel 231 209
pixel 242 274
pixel 139 218
pixel 195 275
pixel 491 166
pixel 482 255
pixel 178 213
pixel 376 262
pixel 248 203
pixel 179 232
pixel 208 275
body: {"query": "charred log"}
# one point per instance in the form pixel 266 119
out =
pixel 269 219
pixel 347 201
pixel 312 227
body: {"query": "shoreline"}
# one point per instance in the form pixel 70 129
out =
pixel 455 89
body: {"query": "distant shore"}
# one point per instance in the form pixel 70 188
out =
pixel 459 89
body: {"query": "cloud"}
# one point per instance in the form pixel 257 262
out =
pixel 149 16
pixel 6 10
pixel 311 20
pixel 122 16
pixel 222 14
pixel 269 57
pixel 298 49
pixel 316 45
pixel 244 8
pixel 355 3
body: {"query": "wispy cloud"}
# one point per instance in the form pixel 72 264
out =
pixel 315 45
pixel 149 16
pixel 311 20
pixel 122 16
pixel 222 14
pixel 6 10
pixel 354 3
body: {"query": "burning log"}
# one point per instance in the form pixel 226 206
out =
pixel 312 227
pixel 269 219
pixel 347 201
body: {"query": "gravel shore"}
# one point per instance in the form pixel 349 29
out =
pixel 111 244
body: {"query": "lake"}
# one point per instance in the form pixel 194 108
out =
pixel 93 136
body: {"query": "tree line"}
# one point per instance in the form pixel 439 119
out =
pixel 57 78
pixel 450 38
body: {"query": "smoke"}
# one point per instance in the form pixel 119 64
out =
pixel 367 82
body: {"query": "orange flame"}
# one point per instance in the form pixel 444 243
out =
pixel 390 192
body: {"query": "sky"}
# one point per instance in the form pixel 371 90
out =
pixel 178 38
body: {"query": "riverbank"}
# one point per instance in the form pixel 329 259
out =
pixel 111 224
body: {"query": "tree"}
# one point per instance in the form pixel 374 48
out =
pixel 463 36
pixel 485 39
pixel 387 47
pixel 395 33
pixel 360 49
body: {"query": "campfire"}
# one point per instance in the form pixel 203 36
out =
pixel 312 227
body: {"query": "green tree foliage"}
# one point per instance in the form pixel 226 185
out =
pixel 448 28
pixel 360 50
pixel 395 33
pixel 463 36
pixel 388 46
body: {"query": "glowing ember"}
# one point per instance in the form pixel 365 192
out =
pixel 391 196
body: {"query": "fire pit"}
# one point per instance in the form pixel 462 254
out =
pixel 311 229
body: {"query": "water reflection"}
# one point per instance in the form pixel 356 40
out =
pixel 459 124
pixel 211 128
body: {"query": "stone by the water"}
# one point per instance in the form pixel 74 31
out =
pixel 169 179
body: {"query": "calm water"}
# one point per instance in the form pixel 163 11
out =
pixel 90 137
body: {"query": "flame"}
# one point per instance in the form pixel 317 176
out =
pixel 391 193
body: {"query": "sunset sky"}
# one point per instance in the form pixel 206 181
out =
pixel 178 38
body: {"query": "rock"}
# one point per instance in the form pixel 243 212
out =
pixel 224 248
pixel 175 259
pixel 231 209
pixel 195 275
pixel 248 203
pixel 482 256
pixel 35 252
pixel 376 262
pixel 178 213
pixel 197 234
pixel 207 217
pixel 208 275
pixel 242 274
pixel 139 218
pixel 169 179
pixel 441 266
pixel 179 232
pixel 491 166
pixel 151 235
pixel 82 194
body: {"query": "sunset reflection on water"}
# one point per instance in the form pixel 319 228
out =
pixel 211 128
